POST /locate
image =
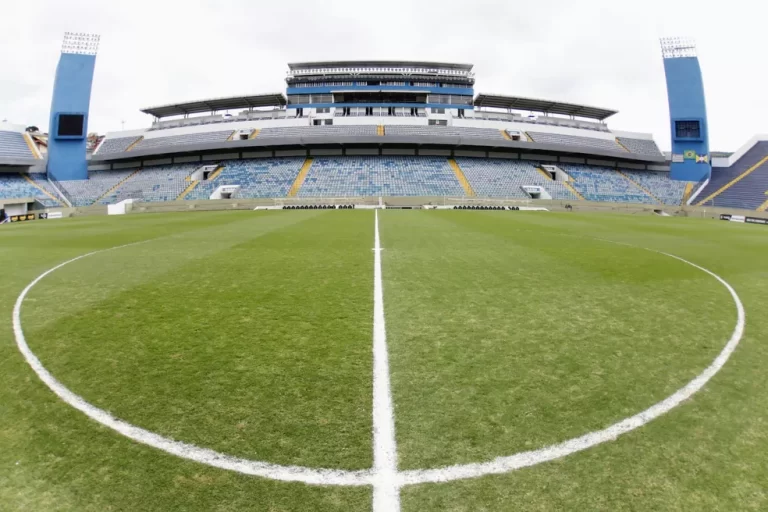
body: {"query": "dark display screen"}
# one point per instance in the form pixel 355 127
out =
pixel 687 130
pixel 71 125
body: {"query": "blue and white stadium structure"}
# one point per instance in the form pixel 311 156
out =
pixel 376 129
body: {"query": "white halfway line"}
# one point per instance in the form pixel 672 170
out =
pixel 384 477
pixel 386 491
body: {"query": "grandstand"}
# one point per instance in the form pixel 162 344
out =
pixel 381 129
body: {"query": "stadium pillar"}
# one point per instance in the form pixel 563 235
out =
pixel 687 111
pixel 70 106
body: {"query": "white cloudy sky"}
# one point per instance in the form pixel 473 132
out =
pixel 599 52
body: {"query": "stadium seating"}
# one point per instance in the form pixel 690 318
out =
pixel 318 131
pixel 604 184
pixel 574 140
pixel 444 131
pixel 748 193
pixel 660 185
pixel 640 146
pixel 86 192
pixel 380 176
pixel 502 178
pixel 116 145
pixel 260 177
pixel 14 186
pixel 178 140
pixel 153 184
pixel 13 145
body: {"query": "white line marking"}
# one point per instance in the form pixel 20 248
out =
pixel 184 450
pixel 556 451
pixel 385 478
pixel 386 491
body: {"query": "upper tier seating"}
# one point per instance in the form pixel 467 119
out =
pixel 640 146
pixel 14 186
pixel 187 138
pixel 604 184
pixel 259 177
pixel 574 140
pixel 86 192
pixel 380 176
pixel 749 193
pixel 318 131
pixel 117 145
pixel 503 178
pixel 13 145
pixel 153 184
pixel 660 185
pixel 444 131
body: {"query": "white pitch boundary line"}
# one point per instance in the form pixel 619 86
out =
pixel 183 450
pixel 577 444
pixel 386 491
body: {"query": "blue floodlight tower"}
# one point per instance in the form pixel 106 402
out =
pixel 71 101
pixel 687 110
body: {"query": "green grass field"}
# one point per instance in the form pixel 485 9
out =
pixel 250 333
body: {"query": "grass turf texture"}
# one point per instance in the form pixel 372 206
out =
pixel 250 333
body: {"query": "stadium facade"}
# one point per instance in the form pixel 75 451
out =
pixel 344 129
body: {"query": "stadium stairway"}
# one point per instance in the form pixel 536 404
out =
pixel 763 206
pixel 687 192
pixel 625 148
pixel 544 173
pixel 461 177
pixel 41 189
pixel 530 139
pixel 505 134
pixel 254 133
pixel 573 190
pixel 187 190
pixel 300 177
pixel 638 185
pixel 231 135
pixel 134 143
pixel 117 186
pixel 380 130
pixel 31 144
pixel 739 186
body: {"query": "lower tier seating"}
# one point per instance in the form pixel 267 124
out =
pixel 658 183
pixel 502 178
pixel 259 177
pixel 86 192
pixel 15 186
pixel 357 176
pixel 605 184
pixel 153 184
pixel 380 176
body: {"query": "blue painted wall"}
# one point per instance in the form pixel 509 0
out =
pixel 405 88
pixel 71 94
pixel 685 92
pixel 407 105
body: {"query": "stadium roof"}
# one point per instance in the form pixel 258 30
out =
pixel 546 106
pixel 378 63
pixel 216 104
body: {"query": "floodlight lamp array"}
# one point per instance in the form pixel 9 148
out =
pixel 677 47
pixel 80 43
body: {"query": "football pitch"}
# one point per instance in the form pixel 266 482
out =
pixel 392 360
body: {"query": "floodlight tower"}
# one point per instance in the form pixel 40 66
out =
pixel 687 110
pixel 70 105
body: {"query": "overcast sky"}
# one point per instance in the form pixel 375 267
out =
pixel 598 52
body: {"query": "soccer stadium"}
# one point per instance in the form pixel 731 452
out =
pixel 381 288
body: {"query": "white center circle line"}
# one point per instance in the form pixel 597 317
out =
pixel 367 477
